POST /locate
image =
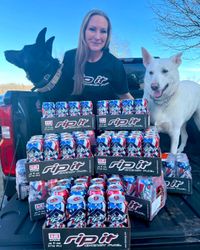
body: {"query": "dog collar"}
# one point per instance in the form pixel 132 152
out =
pixel 49 86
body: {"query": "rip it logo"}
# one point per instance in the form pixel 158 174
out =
pixel 118 122
pixel 72 124
pixel 82 239
pixel 174 184
pixel 134 205
pixel 63 168
pixel 127 165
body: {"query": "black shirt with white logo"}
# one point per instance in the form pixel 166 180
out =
pixel 103 80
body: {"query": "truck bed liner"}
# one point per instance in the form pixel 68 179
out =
pixel 176 226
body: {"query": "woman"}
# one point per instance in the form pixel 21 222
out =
pixel 90 72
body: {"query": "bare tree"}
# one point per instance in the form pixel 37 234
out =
pixel 178 23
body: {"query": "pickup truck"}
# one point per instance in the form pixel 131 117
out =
pixel 177 225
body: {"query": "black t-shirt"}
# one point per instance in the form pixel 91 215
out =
pixel 103 80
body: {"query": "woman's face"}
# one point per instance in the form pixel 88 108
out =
pixel 96 33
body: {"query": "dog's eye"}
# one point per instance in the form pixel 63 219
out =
pixel 150 72
pixel 164 71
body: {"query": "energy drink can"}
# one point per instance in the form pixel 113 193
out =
pixel 103 145
pixel 76 211
pixel 117 209
pixel 55 212
pixel 61 109
pixel 127 106
pixel 140 106
pixel 169 166
pixel 48 109
pixel 74 108
pixel 67 148
pixel 86 107
pixel 118 146
pixel 96 208
pixel 61 191
pixel 102 107
pixel 114 107
pixel 83 148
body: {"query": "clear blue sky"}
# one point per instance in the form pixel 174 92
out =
pixel 133 27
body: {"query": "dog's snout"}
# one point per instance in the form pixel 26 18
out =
pixel 154 86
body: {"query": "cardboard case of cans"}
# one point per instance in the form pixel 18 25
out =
pixel 122 114
pixel 67 116
pixel 129 153
pixel 60 155
pixel 177 173
pixel 89 203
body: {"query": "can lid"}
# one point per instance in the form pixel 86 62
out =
pixel 58 188
pixel 96 198
pixel 54 199
pixel 116 198
pixel 78 187
pixel 75 199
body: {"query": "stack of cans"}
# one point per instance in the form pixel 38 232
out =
pixel 151 143
pixel 125 143
pixel 125 107
pixel 60 146
pixel 183 166
pixel 51 147
pixel 34 149
pixel 63 109
pixel 87 202
pixel 177 166
pixel 22 185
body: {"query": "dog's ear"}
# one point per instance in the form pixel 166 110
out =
pixel 49 44
pixel 147 58
pixel 40 40
pixel 177 58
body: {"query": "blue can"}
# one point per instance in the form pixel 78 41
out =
pixel 117 209
pixel 78 189
pixel 102 107
pixel 74 108
pixel 96 208
pixel 76 211
pixel 48 109
pixel 140 106
pixel 127 106
pixel 114 107
pixel 55 211
pixel 61 109
pixel 86 107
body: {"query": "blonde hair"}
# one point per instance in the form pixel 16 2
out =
pixel 82 50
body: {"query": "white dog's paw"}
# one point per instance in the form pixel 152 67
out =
pixel 180 149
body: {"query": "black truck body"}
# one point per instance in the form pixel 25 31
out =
pixel 177 225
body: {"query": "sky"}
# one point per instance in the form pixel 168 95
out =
pixel 133 27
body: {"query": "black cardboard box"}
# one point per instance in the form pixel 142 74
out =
pixel 123 122
pixel 46 170
pixel 67 124
pixel 37 210
pixel 178 185
pixel 144 209
pixel 140 166
pixel 86 238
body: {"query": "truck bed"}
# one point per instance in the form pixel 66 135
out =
pixel 177 225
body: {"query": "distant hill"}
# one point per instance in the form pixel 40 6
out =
pixel 14 86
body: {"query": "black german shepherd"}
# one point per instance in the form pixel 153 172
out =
pixel 36 60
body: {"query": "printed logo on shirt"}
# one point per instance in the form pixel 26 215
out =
pixel 98 81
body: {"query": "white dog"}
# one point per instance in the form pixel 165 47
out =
pixel 171 102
